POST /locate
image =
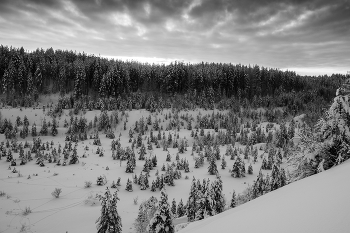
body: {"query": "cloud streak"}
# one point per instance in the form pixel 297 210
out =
pixel 283 34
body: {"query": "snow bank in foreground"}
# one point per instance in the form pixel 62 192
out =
pixel 319 203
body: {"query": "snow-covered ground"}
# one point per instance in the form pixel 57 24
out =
pixel 319 203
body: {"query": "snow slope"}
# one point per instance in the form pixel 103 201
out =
pixel 319 203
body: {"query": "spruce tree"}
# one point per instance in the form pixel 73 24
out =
pixel 142 182
pixel 131 164
pixel 258 186
pixel 223 163
pixel 173 208
pixel 283 177
pixel 250 169
pixel 212 169
pixel 217 196
pixel 34 133
pixel 233 203
pixel 44 128
pixel 153 186
pixel 192 202
pixel 162 220
pixel 238 168
pixel 180 209
pixel 275 178
pixel 109 221
pixel 128 186
pixel 205 203
pixel 54 127
pixel 25 121
pixel 142 152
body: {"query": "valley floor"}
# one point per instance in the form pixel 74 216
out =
pixel 77 208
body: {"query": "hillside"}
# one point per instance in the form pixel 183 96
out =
pixel 315 204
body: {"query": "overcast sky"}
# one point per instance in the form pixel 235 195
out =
pixel 311 37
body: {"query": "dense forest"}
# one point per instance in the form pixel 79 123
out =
pixel 129 84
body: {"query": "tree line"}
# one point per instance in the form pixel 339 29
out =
pixel 26 74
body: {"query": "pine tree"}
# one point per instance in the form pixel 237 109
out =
pixel 142 152
pixel 25 121
pixel 250 169
pixel 162 220
pixel 142 182
pixel 168 157
pixel 283 178
pixel 212 169
pixel 79 80
pixel 34 133
pixel 217 196
pixel 275 178
pixel 153 186
pixel 109 221
pixel 192 202
pixel 128 186
pixel 238 169
pixel 146 165
pixel 44 128
pixel 180 209
pixel 54 127
pixel 130 165
pixel 258 186
pixel 205 202
pixel 173 208
pixel 233 203
pixel 154 161
pixel 223 163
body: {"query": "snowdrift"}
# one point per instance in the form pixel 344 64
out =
pixel 319 203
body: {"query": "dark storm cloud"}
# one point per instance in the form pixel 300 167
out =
pixel 287 33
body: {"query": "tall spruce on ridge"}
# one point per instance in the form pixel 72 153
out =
pixel 109 221
pixel 205 202
pixel 180 209
pixel 233 203
pixel 162 220
pixel 217 196
pixel 191 206
pixel 212 169
pixel 173 208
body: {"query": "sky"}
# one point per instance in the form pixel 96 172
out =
pixel 309 37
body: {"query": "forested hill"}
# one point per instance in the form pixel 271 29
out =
pixel 27 74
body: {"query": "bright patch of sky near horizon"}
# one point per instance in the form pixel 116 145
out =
pixel 309 37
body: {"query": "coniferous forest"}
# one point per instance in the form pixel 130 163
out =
pixel 88 80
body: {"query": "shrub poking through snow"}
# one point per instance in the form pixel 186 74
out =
pixel 26 211
pixel 101 180
pixel 87 184
pixel 56 193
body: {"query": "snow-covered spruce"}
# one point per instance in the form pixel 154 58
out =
pixel 162 220
pixel 109 221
